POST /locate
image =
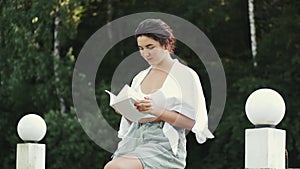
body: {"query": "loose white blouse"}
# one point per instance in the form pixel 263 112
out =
pixel 180 92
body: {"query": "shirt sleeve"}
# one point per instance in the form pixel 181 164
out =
pixel 123 128
pixel 201 120
pixel 124 124
pixel 190 101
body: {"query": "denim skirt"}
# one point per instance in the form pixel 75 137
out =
pixel 148 143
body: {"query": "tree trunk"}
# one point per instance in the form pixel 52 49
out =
pixel 109 18
pixel 56 63
pixel 252 31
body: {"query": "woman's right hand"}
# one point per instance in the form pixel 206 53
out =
pixel 117 111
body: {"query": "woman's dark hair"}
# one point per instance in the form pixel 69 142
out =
pixel 157 30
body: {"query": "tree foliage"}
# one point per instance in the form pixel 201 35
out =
pixel 31 74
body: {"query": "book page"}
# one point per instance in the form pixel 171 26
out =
pixel 128 92
pixel 112 97
pixel 124 103
pixel 127 109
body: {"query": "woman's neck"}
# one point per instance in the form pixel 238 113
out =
pixel 165 64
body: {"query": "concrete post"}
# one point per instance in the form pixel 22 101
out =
pixel 31 156
pixel 265 145
pixel 265 148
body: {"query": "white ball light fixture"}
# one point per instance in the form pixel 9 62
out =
pixel 31 128
pixel 265 107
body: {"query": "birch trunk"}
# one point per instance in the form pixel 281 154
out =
pixel 109 18
pixel 252 31
pixel 55 62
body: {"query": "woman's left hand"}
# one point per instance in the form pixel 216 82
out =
pixel 148 106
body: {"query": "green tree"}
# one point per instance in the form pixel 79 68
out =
pixel 36 67
pixel 278 60
pixel 27 63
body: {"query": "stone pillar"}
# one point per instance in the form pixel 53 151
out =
pixel 265 148
pixel 31 156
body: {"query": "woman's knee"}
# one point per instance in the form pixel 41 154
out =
pixel 112 165
pixel 125 162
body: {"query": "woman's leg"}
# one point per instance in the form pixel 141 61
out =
pixel 128 161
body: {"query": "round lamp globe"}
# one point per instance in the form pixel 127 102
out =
pixel 31 127
pixel 265 107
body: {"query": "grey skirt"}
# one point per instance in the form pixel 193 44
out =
pixel 148 142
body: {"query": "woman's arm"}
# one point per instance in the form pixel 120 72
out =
pixel 174 118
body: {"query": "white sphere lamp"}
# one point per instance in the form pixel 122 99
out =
pixel 32 128
pixel 265 107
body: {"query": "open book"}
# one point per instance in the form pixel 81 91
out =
pixel 124 101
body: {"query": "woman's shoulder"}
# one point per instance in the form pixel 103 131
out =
pixel 185 70
pixel 142 73
pixel 140 76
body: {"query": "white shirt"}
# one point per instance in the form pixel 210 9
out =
pixel 180 92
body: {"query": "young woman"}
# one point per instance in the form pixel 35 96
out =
pixel 173 96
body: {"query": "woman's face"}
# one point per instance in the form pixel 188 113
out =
pixel 151 50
